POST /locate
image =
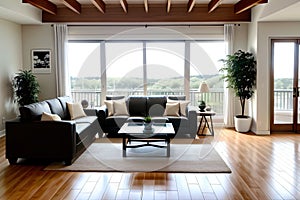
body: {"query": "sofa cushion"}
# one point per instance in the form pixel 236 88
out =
pixel 110 107
pixel 156 105
pixel 116 121
pixel 183 106
pixel 76 110
pixel 50 117
pixel 172 109
pixel 116 107
pixel 160 119
pixel 137 105
pixel 87 119
pixel 114 97
pixel 176 97
pixel 120 108
pixel 63 101
pixel 56 107
pixel 34 111
pixel 137 119
pixel 178 122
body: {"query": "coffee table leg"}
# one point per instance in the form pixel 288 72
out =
pixel 168 147
pixel 124 146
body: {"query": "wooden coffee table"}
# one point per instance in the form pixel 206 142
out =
pixel 162 132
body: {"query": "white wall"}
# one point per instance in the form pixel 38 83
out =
pixel 10 63
pixel 265 32
pixel 241 42
pixel 40 37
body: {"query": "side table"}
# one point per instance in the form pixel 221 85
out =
pixel 203 119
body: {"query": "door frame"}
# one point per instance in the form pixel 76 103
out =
pixel 294 127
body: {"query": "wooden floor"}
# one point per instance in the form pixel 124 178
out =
pixel 263 167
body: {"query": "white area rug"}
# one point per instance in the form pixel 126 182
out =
pixel 107 157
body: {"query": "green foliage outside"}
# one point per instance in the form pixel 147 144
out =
pixel 153 84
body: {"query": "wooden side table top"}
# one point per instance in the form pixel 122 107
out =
pixel 206 113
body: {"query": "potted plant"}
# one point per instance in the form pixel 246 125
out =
pixel 26 88
pixel 148 124
pixel 202 105
pixel 240 74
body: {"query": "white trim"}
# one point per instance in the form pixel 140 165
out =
pixel 145 33
pixel 187 69
pixel 103 71
pixel 2 133
pixel 257 132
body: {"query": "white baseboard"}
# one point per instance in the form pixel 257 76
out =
pixel 2 133
pixel 257 132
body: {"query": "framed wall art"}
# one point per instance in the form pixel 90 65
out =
pixel 41 60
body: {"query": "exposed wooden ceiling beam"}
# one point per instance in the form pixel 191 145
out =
pixel 191 5
pixel 73 5
pixel 99 4
pixel 213 4
pixel 168 6
pixel 124 5
pixel 146 6
pixel 243 5
pixel 45 5
pixel 136 14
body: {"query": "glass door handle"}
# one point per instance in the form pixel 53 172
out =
pixel 295 92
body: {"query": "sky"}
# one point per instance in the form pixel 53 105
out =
pixel 128 58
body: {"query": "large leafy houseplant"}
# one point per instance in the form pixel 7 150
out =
pixel 26 88
pixel 240 74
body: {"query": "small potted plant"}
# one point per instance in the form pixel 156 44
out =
pixel 240 74
pixel 147 119
pixel 202 105
pixel 26 88
pixel 148 124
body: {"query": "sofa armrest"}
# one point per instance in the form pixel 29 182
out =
pixel 39 138
pixel 192 118
pixel 102 112
pixel 91 111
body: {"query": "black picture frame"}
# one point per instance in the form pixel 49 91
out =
pixel 41 60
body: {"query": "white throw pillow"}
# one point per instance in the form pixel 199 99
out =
pixel 183 105
pixel 110 107
pixel 50 117
pixel 120 108
pixel 172 109
pixel 76 110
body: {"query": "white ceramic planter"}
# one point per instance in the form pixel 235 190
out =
pixel 242 124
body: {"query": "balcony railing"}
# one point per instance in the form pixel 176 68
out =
pixel 283 98
pixel 214 98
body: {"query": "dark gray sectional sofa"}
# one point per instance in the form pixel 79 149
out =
pixel 29 137
pixel 140 106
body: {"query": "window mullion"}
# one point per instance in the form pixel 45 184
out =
pixel 145 68
pixel 187 69
pixel 103 71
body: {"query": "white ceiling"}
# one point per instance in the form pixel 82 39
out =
pixel 289 13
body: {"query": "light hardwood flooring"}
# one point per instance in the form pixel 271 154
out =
pixel 263 167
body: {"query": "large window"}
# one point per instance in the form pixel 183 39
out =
pixel 205 65
pixel 147 67
pixel 84 69
pixel 165 67
pixel 124 68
